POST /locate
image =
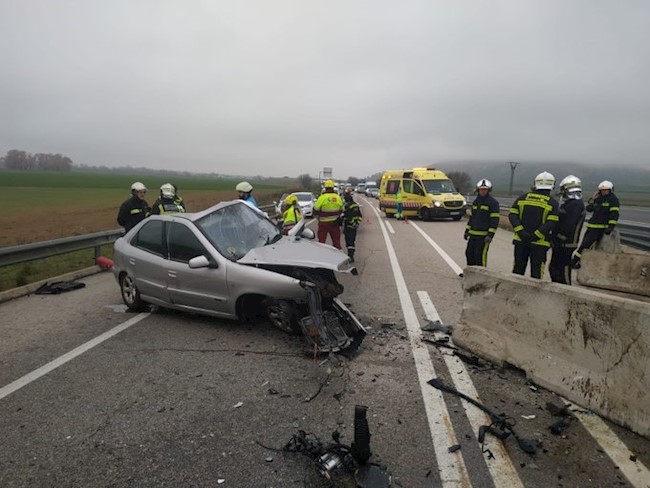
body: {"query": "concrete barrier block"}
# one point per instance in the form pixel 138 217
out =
pixel 629 273
pixel 591 348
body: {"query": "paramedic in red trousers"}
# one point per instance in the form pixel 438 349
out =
pixel 566 235
pixel 606 209
pixel 482 225
pixel 328 209
pixel 534 216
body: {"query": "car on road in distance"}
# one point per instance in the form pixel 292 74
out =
pixel 230 261
pixel 306 200
pixel 373 192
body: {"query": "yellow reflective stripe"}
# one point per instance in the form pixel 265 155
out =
pixel 492 229
pixel 604 204
pixel 518 228
pixel 478 232
pixel 614 209
pixel 495 215
pixel 484 207
pixel 539 234
pixel 514 211
pixel 612 222
pixel 597 226
pixel 136 211
pixel 553 217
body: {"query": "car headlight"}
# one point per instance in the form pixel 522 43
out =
pixel 437 204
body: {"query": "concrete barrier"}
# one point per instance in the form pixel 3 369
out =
pixel 629 273
pixel 589 347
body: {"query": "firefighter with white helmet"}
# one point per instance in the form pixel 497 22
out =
pixel 533 216
pixel 167 202
pixel 328 209
pixel 566 235
pixel 482 224
pixel 135 209
pixel 245 190
pixel 606 209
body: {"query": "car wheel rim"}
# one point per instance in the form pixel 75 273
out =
pixel 128 290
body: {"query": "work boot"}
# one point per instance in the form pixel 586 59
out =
pixel 575 262
pixel 351 257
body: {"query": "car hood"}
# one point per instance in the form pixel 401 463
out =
pixel 301 252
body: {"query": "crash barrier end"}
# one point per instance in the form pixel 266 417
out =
pixel 589 347
pixel 629 273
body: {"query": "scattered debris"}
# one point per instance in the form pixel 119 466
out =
pixel 269 459
pixel 558 411
pixel 528 417
pixel 633 458
pixel 238 404
pixel 560 426
pixel 58 287
pixel 437 326
pixel 454 448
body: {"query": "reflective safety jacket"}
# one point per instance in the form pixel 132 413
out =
pixel 484 218
pixel 351 215
pixel 132 212
pixel 535 212
pixel 328 207
pixel 166 205
pixel 572 217
pixel 605 210
pixel 290 218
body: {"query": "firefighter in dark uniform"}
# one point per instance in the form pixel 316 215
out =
pixel 482 225
pixel 135 209
pixel 168 201
pixel 533 216
pixel 605 207
pixel 351 219
pixel 566 235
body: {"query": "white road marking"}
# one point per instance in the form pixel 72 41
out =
pixel 636 472
pixel 52 365
pixel 501 468
pixel 451 466
pixel 390 227
pixel 452 264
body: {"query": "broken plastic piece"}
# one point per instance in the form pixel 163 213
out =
pixel 58 287
pixel 454 448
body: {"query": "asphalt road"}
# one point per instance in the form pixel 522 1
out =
pixel 173 399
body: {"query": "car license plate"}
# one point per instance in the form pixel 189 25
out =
pixel 454 213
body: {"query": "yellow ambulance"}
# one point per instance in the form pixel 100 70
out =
pixel 426 193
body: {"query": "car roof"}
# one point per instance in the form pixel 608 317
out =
pixel 194 216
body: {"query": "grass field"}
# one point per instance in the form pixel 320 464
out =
pixel 40 206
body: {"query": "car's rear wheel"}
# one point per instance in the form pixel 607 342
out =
pixel 282 314
pixel 131 295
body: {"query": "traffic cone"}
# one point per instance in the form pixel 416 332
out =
pixel 104 262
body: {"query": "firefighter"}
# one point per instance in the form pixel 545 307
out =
pixel 178 200
pixel 605 207
pixel 291 215
pixel 533 216
pixel 566 235
pixel 245 190
pixel 482 225
pixel 135 209
pixel 166 203
pixel 328 210
pixel 351 219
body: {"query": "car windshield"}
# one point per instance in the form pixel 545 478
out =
pixel 236 229
pixel 304 197
pixel 439 186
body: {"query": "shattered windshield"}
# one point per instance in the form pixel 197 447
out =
pixel 236 229
pixel 439 186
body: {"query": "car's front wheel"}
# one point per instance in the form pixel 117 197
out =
pixel 131 295
pixel 282 314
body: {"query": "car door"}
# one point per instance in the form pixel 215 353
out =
pixel 199 289
pixel 146 260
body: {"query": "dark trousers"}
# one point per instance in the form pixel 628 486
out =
pixel 591 237
pixel 537 256
pixel 333 230
pixel 560 266
pixel 476 251
pixel 350 234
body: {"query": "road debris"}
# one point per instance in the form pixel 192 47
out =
pixel 437 326
pixel 529 417
pixel 454 448
pixel 58 287
pixel 238 404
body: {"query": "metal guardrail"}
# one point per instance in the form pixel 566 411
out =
pixel 45 249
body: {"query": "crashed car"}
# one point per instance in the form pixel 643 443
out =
pixel 230 261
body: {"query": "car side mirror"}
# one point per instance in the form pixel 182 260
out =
pixel 307 234
pixel 202 262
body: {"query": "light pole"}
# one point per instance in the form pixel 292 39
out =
pixel 513 166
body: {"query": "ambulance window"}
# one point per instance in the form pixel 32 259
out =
pixel 392 186
pixel 417 189
pixel 407 186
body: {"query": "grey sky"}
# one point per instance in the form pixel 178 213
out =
pixel 288 87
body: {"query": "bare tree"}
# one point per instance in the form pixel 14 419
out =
pixel 305 181
pixel 462 181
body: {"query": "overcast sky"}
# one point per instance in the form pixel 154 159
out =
pixel 289 87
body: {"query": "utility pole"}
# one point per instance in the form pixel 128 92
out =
pixel 513 166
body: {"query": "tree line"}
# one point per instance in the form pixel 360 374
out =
pixel 24 161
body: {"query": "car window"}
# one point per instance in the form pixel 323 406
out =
pixel 305 197
pixel 236 229
pixel 407 186
pixel 182 244
pixel 439 186
pixel 392 186
pixel 150 237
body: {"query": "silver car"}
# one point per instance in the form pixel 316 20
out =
pixel 230 261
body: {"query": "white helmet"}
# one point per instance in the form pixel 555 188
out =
pixel 544 181
pixel 605 185
pixel 571 187
pixel 137 186
pixel 484 183
pixel 244 187
pixel 167 190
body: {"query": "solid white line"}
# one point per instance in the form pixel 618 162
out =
pixel 636 472
pixel 451 466
pixel 390 227
pixel 52 365
pixel 452 264
pixel 501 468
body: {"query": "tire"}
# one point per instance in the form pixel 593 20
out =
pixel 389 216
pixel 457 217
pixel 425 214
pixel 131 294
pixel 282 315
